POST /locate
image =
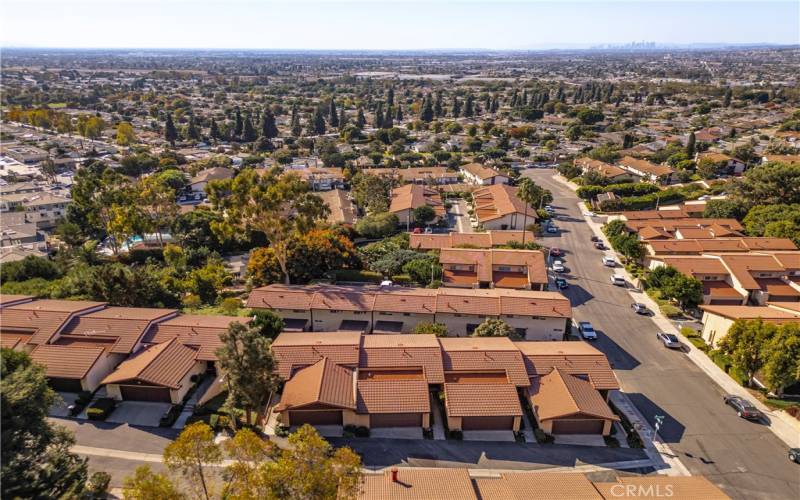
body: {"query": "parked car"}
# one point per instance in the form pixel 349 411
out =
pixel 617 280
pixel 587 330
pixel 609 261
pixel 556 252
pixel 669 340
pixel 549 209
pixel 743 407
pixel 552 229
pixel 589 213
pixel 595 238
pixel 639 308
pixel 558 266
pixel 599 245
pixel 561 283
pixel 428 230
pixel 794 455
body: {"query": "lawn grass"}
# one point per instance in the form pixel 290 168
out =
pixel 216 311
pixel 57 105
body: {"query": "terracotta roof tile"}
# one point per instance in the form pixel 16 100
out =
pixel 418 484
pixel 478 400
pixel 558 394
pixel 163 364
pixel 742 267
pixel 392 396
pixel 281 297
pixel 411 300
pixel 324 382
pixel 43 318
pixel 499 200
pixel 685 488
pixel 11 299
pixel 66 362
pixel 577 358
pixel 201 331
pixel 537 486
pixel 395 351
pixel 413 196
pixel 481 354
pixel 766 313
pixel 294 350
pixel 127 324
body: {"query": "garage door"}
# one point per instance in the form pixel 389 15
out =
pixel 141 393
pixel 487 423
pixel 325 417
pixel 65 384
pixel 396 420
pixel 578 427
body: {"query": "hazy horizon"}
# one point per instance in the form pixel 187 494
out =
pixel 393 25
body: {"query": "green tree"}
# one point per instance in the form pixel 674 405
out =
pixel 761 216
pixel 125 134
pixel 249 132
pixel 170 133
pixel 311 468
pixel 318 125
pixel 725 209
pixel 783 229
pixel 688 291
pixel 249 367
pixel 148 485
pixel 745 342
pixel 691 144
pixel 214 131
pixel 268 127
pixel 245 475
pixel 333 117
pixel 496 328
pixel 426 110
pixel 533 196
pixel 377 225
pixel 424 270
pixel 371 192
pixel 272 203
pixel 360 119
pixel 157 201
pixel 428 328
pixel 782 358
pixel 36 461
pixel 190 454
pixel 423 214
pixel 769 184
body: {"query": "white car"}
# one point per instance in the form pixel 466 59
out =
pixel 589 214
pixel 609 261
pixel 548 208
pixel 587 330
pixel 617 280
pixel 558 266
pixel 552 229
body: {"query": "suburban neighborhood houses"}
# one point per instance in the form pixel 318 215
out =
pixel 365 274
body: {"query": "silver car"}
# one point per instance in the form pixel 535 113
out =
pixel 669 340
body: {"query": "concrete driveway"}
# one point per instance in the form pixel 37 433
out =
pixel 396 432
pixel 140 413
pixel 61 408
pixel 505 436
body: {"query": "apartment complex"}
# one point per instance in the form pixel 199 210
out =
pixel 138 354
pixel 345 378
pixel 535 315
pixel 411 196
pixel 498 207
pixel 475 173
pixel 493 268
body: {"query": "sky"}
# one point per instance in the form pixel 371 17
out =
pixel 392 25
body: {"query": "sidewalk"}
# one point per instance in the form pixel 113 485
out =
pixel 779 424
pixel 190 405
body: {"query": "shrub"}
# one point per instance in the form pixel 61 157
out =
pixel 282 431
pixel 170 416
pixel 457 435
pixel 358 275
pixel 670 311
pixel 542 437
pixel 378 225
pixel 101 409
pixel 362 431
pixel 213 421
pixel 402 279
pixel 611 441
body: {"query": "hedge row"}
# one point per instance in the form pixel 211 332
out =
pixel 623 189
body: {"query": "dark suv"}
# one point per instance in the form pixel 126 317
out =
pixel 743 407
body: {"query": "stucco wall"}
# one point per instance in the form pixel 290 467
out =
pixel 177 394
pixel 327 321
pixel 715 328
pixel 410 320
pixel 101 369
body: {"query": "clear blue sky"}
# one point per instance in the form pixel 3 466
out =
pixel 379 24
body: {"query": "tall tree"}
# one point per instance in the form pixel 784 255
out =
pixel 268 127
pixel 342 118
pixel 275 204
pixel 246 358
pixel 214 131
pixel 782 358
pixel 390 97
pixel 456 108
pixel 379 116
pixel 157 200
pixel 318 125
pixel 744 343
pixel 36 461
pixel 238 127
pixel 426 110
pixel 398 117
pixel 691 144
pixel 333 116
pixel 469 106
pixel 438 108
pixel 170 133
pixel 726 101
pixel 249 132
pixel 360 119
pixel 148 485
pixel 125 134
pixel 190 454
pixel 529 193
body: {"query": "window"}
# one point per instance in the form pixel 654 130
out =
pixel 504 269
pixel 298 310
pixel 359 312
pixel 406 314
pixel 335 311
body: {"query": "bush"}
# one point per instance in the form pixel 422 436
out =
pixel 542 437
pixel 611 442
pixel 170 416
pixel 427 433
pixel 84 397
pixel 282 431
pixel 358 275
pixel 101 409
pixel 213 421
pixel 378 225
pixel 457 435
pixel 670 311
pixel 402 279
pixel 362 431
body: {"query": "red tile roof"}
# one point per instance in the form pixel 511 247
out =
pixel 127 324
pixel 163 364
pixel 294 350
pixel 396 351
pixel 577 358
pixel 324 382
pixel 481 400
pixel 66 362
pixel 558 395
pixel 200 331
pixel 484 354
pixel 43 318
pixel 392 396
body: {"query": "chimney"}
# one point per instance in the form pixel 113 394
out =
pixel 394 475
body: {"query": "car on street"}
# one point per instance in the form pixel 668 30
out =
pixel 552 229
pixel 669 340
pixel 556 252
pixel 617 280
pixel 561 283
pixel 595 239
pixel 609 261
pixel 587 330
pixel 549 209
pixel 743 407
pixel 640 308
pixel 599 245
pixel 558 266
pixel 794 455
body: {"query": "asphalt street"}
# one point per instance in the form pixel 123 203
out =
pixel 744 458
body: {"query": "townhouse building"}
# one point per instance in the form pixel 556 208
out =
pixel 493 268
pixel 647 171
pixel 475 173
pixel 499 207
pixel 406 199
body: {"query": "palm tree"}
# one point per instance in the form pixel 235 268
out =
pixel 528 192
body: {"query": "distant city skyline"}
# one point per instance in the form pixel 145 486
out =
pixel 394 25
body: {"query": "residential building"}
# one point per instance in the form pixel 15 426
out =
pixel 726 165
pixel 718 288
pixel 717 319
pixel 44 208
pixel 475 173
pixel 342 209
pixel 493 268
pixel 199 182
pixel 418 175
pixel 613 173
pixel 646 170
pixel 535 315
pixel 406 199
pixel 498 207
